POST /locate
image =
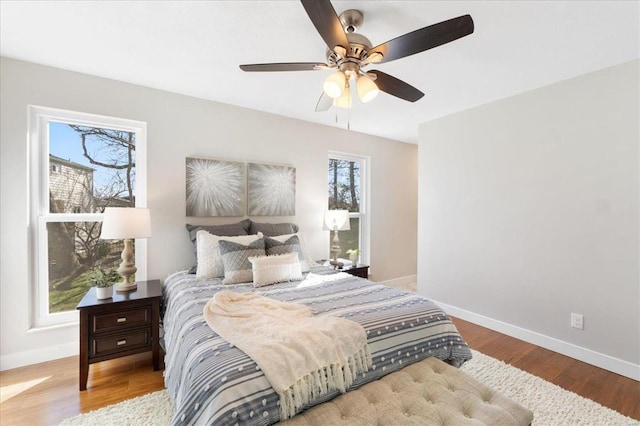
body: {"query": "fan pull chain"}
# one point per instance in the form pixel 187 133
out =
pixel 348 117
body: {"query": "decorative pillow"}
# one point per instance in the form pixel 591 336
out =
pixel 305 258
pixel 230 230
pixel 273 229
pixel 210 263
pixel 275 269
pixel 237 268
pixel 290 245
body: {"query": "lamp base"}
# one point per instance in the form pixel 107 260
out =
pixel 127 268
pixel 126 286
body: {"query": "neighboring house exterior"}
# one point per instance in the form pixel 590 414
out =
pixel 70 186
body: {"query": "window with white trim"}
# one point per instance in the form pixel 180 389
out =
pixel 348 190
pixel 80 164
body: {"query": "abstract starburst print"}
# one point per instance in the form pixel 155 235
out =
pixel 272 190
pixel 215 188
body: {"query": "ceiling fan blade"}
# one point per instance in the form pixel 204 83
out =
pixel 285 66
pixel 324 103
pixel 326 21
pixel 424 39
pixel 395 87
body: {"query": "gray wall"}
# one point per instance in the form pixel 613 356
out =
pixel 529 211
pixel 178 127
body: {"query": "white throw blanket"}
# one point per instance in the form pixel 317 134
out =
pixel 302 356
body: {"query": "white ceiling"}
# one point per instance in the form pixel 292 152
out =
pixel 195 47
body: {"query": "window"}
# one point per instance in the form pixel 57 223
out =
pixel 347 190
pixel 80 164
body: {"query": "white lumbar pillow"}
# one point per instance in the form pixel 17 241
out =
pixel 275 269
pixel 209 259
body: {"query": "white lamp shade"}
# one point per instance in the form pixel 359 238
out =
pixel 336 220
pixel 367 89
pixel 125 222
pixel 334 84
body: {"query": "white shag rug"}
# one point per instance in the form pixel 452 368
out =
pixel 551 405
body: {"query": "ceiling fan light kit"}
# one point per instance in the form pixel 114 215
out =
pixel 350 52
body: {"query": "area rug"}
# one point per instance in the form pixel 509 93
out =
pixel 551 405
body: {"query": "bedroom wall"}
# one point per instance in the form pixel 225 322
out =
pixel 178 127
pixel 529 211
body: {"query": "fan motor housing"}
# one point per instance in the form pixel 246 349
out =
pixel 359 45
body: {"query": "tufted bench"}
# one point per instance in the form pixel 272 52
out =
pixel 429 392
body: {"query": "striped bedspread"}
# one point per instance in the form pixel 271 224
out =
pixel 212 382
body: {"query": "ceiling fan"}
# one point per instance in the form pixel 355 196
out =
pixel 349 53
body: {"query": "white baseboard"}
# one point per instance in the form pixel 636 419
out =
pixel 589 356
pixel 21 359
pixel 400 281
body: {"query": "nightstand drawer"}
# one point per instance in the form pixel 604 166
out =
pixel 120 320
pixel 110 344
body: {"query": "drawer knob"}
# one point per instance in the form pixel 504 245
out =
pixel 123 319
pixel 121 342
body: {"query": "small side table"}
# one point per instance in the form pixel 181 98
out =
pixel 358 270
pixel 126 324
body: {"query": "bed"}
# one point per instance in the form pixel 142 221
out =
pixel 212 382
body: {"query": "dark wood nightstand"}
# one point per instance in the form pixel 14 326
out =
pixel 358 270
pixel 126 324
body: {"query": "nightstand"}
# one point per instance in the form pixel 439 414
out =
pixel 126 324
pixel 358 270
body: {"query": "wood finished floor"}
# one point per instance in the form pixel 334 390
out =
pixel 609 389
pixel 45 394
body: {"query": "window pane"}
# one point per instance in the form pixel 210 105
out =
pixel 90 168
pixel 74 248
pixel 344 185
pixel 349 240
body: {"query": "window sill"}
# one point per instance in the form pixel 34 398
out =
pixel 46 328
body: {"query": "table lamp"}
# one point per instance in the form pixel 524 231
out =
pixel 126 223
pixel 336 220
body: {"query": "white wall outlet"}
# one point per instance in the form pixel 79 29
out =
pixel 577 321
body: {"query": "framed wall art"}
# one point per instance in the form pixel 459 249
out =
pixel 215 187
pixel 272 190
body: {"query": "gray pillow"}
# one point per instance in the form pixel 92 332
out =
pixel 229 230
pixel 291 245
pixel 273 229
pixel 235 257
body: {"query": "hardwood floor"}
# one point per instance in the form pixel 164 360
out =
pixel 609 389
pixel 47 393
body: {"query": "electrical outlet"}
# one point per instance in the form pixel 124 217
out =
pixel 577 321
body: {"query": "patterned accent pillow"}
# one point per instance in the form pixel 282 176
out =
pixel 235 257
pixel 229 230
pixel 290 245
pixel 209 258
pixel 275 269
